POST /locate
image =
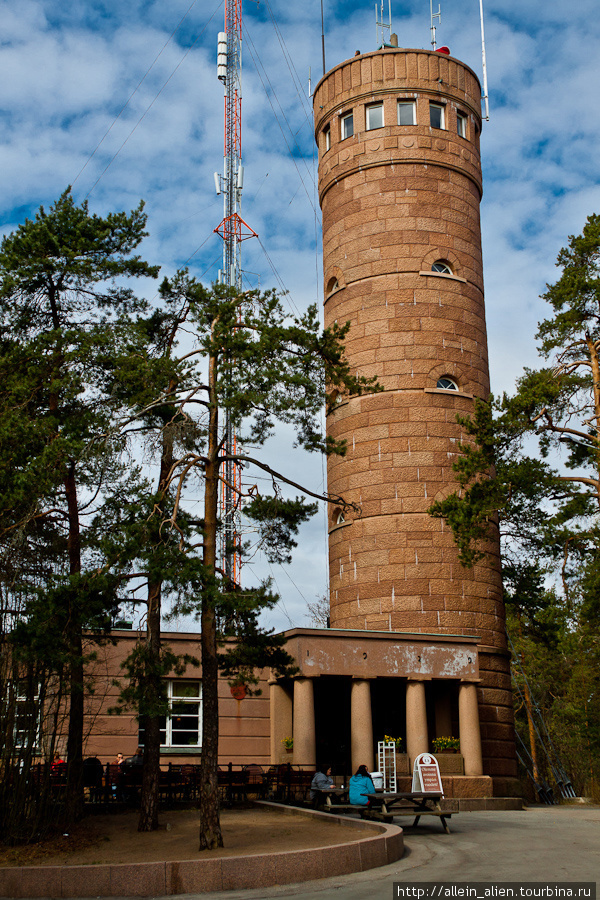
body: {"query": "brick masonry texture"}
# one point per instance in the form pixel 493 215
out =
pixel 395 200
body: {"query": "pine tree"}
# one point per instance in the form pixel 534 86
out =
pixel 251 363
pixel 63 315
pixel 533 465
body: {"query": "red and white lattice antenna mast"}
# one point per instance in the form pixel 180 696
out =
pixel 233 230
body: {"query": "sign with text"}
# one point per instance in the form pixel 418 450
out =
pixel 426 774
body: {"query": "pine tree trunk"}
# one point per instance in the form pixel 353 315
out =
pixel 74 788
pixel 210 824
pixel 153 689
pixel 149 803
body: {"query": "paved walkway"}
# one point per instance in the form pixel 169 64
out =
pixel 546 844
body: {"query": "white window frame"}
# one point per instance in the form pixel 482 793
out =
pixel 449 385
pixel 368 115
pixel 411 104
pixel 167 728
pixel 439 106
pixel 344 132
pixel 327 134
pixel 461 124
pixel 20 701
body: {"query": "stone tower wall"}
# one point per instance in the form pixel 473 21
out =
pixel 396 199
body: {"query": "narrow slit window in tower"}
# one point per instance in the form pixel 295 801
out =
pixel 461 125
pixel 347 126
pixel 436 115
pixel 327 137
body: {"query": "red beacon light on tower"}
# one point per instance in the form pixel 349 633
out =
pixel 444 50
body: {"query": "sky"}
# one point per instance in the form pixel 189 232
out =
pixel 121 101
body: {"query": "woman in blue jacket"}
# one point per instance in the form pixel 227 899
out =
pixel 360 785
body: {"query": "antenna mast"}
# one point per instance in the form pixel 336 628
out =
pixel 233 230
pixel 438 16
pixel 381 26
pixel 484 96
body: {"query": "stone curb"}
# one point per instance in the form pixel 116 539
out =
pixel 196 876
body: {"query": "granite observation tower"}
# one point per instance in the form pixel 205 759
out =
pixel 400 187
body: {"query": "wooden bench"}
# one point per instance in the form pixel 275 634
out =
pixel 341 802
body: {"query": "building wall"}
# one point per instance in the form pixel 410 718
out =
pixel 244 724
pixel 395 200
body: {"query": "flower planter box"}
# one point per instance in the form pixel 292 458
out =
pixel 402 764
pixel 450 762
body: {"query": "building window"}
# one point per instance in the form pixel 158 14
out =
pixel 327 137
pixel 332 285
pixel 441 267
pixel 183 727
pixel 24 706
pixel 436 115
pixel 446 384
pixel 347 126
pixel 461 125
pixel 340 519
pixel 374 116
pixel 407 112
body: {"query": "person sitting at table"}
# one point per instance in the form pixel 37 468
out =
pixel 321 781
pixel 359 786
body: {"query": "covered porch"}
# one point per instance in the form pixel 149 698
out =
pixel 354 687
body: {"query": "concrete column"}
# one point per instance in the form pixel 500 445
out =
pixel 304 723
pixel 361 724
pixel 281 722
pixel 468 721
pixel 416 720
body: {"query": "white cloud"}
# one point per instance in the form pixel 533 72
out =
pixel 67 70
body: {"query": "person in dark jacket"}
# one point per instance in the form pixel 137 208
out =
pixel 321 781
pixel 359 786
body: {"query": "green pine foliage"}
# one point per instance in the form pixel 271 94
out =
pixel 64 314
pixel 533 465
pixel 112 439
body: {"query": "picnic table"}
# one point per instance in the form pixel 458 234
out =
pixel 384 806
pixel 416 803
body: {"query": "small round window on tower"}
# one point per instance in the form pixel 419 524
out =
pixel 441 266
pixel 332 285
pixel 446 384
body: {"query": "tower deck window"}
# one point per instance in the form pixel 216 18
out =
pixel 436 115
pixel 347 126
pixel 461 125
pixel 327 138
pixel 374 116
pixel 407 113
pixel 442 267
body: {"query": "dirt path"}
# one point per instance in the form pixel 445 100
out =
pixel 114 838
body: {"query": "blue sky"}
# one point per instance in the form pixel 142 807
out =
pixel 69 69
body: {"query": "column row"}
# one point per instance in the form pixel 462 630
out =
pixel 296 716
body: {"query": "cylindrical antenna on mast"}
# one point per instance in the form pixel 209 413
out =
pixel 484 97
